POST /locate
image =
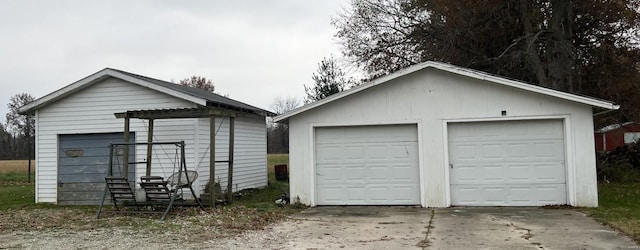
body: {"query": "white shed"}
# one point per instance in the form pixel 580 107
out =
pixel 438 135
pixel 76 124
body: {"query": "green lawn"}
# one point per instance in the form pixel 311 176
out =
pixel 15 191
pixel 16 196
pixel 8 178
pixel 619 207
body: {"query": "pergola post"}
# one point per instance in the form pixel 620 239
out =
pixel 149 147
pixel 212 160
pixel 231 148
pixel 125 157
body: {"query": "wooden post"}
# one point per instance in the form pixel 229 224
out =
pixel 230 173
pixel 149 147
pixel 29 163
pixel 125 157
pixel 212 160
pixel 111 148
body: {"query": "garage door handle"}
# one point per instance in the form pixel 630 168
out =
pixel 450 165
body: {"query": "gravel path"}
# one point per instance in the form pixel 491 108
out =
pixel 118 238
pixel 375 229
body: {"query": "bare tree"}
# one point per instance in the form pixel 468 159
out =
pixel 278 133
pixel 198 82
pixel 21 128
pixel 18 124
pixel 587 47
pixel 5 144
pixel 283 105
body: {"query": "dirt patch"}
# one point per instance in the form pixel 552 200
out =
pixel 16 166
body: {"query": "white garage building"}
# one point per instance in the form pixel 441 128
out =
pixel 438 135
pixel 76 124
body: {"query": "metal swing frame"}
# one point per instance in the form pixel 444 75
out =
pixel 209 111
pixel 157 193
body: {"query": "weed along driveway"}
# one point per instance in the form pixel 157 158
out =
pixel 450 228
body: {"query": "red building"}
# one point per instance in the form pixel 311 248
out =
pixel 616 135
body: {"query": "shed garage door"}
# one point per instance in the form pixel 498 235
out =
pixel 367 165
pixel 513 163
pixel 83 162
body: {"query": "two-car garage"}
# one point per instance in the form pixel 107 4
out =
pixel 438 135
pixel 508 163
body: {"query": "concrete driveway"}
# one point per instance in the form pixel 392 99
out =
pixel 451 228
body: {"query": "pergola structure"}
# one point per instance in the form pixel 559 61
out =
pixel 181 113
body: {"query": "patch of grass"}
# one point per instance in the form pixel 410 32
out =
pixel 619 207
pixel 15 191
pixel 264 199
pixel 15 178
pixel 16 196
pixel 276 159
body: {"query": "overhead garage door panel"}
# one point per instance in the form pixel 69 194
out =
pixel 507 163
pixel 83 162
pixel 367 165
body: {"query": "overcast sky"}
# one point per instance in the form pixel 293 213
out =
pixel 253 50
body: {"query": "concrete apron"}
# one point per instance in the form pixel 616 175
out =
pixel 370 227
pixel 521 228
pixel 358 227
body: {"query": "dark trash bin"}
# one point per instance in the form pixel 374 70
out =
pixel 282 174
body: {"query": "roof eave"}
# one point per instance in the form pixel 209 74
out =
pixel 31 107
pixel 93 78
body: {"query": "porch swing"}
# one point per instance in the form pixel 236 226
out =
pixel 159 192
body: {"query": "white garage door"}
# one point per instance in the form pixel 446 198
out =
pixel 513 163
pixel 367 165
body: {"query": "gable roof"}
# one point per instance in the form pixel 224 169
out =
pixel 455 70
pixel 194 95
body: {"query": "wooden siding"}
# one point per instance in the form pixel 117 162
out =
pixel 91 111
pixel 250 152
